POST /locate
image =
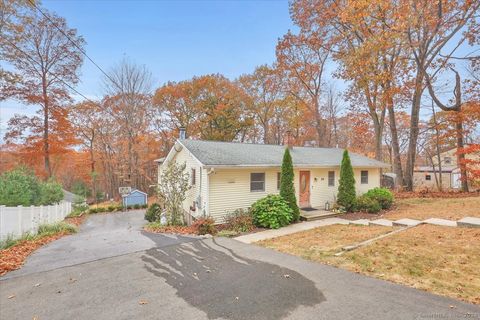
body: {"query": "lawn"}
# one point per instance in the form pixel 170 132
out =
pixel 441 260
pixel 424 208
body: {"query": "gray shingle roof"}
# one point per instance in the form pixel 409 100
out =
pixel 216 153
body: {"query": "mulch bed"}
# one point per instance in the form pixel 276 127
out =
pixel 187 230
pixel 362 215
pixel 14 257
pixel 435 194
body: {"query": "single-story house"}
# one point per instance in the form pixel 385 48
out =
pixel 226 176
pixel 424 176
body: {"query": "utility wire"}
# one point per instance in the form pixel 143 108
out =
pixel 74 43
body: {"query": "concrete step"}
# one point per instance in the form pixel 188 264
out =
pixel 406 222
pixel 381 222
pixel 311 216
pixel 441 222
pixel 469 222
pixel 363 222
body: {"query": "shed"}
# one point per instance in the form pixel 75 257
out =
pixel 135 197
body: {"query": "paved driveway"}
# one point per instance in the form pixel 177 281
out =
pixel 111 270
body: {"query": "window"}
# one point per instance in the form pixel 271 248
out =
pixel 192 177
pixel 279 177
pixel 364 177
pixel 257 181
pixel 331 178
pixel 447 160
pixel 428 177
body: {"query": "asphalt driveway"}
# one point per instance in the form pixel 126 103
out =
pixel 112 270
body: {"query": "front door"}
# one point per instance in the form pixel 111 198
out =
pixel 304 198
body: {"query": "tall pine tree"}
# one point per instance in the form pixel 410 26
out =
pixel 346 189
pixel 287 190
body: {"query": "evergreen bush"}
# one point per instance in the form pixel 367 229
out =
pixel 287 190
pixel 346 189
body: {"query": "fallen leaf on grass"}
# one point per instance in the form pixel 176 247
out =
pixel 37 284
pixel 11 296
pixel 142 302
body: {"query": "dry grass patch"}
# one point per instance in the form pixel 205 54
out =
pixel 323 242
pixel 441 260
pixel 424 208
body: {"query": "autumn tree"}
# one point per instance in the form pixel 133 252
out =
pixel 434 31
pixel 128 88
pixel 264 87
pixel 85 118
pixel 210 107
pixel 302 61
pixel 48 63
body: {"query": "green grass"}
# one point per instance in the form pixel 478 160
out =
pixel 43 231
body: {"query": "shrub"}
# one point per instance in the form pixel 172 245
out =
pixel 50 192
pixel 346 188
pixel 101 209
pixel 111 208
pixel 92 210
pixel 205 226
pixel 136 206
pixel 272 212
pixel 18 187
pixel 49 229
pixel 368 204
pixel 144 206
pixel 287 190
pixel 239 221
pixel 153 213
pixel 382 195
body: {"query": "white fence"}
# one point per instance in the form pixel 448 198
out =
pixel 16 221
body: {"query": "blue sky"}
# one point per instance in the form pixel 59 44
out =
pixel 174 39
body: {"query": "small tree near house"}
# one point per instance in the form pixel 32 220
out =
pixel 346 190
pixel 287 190
pixel 174 183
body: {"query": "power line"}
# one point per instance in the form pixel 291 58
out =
pixel 73 42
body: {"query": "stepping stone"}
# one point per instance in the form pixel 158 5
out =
pixel 407 222
pixel 441 222
pixel 381 222
pixel 469 222
pixel 363 222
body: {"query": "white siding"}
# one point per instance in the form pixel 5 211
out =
pixel 229 189
pixel 196 191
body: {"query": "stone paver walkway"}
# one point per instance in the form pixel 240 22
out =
pixel 469 222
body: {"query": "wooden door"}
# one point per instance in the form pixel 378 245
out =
pixel 304 198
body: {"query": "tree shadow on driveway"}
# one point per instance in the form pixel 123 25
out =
pixel 215 280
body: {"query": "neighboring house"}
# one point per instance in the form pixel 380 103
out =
pixel 226 176
pixel 135 197
pixel 424 176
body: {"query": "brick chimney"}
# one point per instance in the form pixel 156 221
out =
pixel 289 140
pixel 182 133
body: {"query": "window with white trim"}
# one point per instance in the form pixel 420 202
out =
pixel 257 181
pixel 331 178
pixel 364 177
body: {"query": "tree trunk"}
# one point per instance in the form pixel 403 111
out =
pixel 396 160
pixel 46 113
pixel 460 153
pixel 412 141
pixel 437 149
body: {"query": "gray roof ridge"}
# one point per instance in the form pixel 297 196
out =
pixel 257 144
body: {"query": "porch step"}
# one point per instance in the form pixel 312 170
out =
pixel 407 222
pixel 469 222
pixel 363 222
pixel 317 215
pixel 381 222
